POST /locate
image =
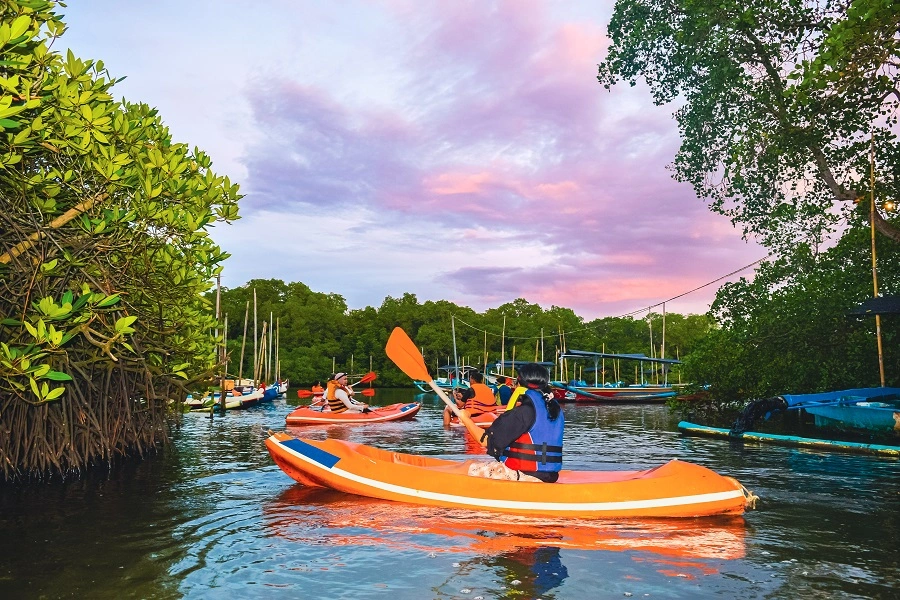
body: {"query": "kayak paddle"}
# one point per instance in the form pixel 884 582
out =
pixel 405 354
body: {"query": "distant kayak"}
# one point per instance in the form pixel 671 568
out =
pixel 482 419
pixel 305 415
pixel 675 489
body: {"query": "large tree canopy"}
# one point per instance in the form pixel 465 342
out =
pixel 780 103
pixel 104 257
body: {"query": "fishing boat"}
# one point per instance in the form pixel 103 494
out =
pixel 234 400
pixel 306 415
pixel 615 392
pixel 870 409
pixel 448 381
pixel 675 489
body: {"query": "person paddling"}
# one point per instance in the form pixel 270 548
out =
pixel 527 442
pixel 338 395
pixel 318 393
pixel 504 390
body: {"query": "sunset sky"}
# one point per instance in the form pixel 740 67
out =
pixel 455 150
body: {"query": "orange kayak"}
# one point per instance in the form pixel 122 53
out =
pixel 395 412
pixel 482 419
pixel 675 489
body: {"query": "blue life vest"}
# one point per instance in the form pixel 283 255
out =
pixel 539 448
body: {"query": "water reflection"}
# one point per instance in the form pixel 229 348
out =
pixel 211 516
pixel 299 513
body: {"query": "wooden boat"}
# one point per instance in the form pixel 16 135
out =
pixel 306 415
pixel 450 381
pixel 615 392
pixel 233 401
pixel 692 429
pixel 571 392
pixel 675 489
pixel 868 410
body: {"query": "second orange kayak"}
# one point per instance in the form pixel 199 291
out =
pixel 305 415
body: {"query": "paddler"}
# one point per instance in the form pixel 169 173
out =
pixel 339 396
pixel 478 398
pixel 318 392
pixel 526 441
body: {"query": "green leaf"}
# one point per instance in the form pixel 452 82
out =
pixel 55 393
pixel 108 301
pixel 58 376
pixel 19 26
pixel 123 325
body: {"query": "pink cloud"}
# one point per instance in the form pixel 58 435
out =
pixel 504 124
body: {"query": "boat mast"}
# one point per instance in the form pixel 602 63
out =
pixel 255 348
pixel 874 261
pixel 503 347
pixel 662 349
pixel 455 358
pixel 244 341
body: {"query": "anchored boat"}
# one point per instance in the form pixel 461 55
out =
pixel 675 489
pixel 615 392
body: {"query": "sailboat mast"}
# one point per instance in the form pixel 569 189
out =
pixel 244 341
pixel 874 260
pixel 255 348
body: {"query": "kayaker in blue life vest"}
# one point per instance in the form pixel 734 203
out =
pixel 527 440
pixel 504 390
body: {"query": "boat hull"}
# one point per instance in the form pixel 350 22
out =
pixel 693 429
pixel 482 419
pixel 312 416
pixel 231 402
pixel 675 489
pixel 871 416
pixel 616 395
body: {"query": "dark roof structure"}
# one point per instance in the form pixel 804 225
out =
pixel 882 305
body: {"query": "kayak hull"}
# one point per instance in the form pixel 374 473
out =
pixel 675 489
pixel 305 415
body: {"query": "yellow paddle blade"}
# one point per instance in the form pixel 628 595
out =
pixel 406 355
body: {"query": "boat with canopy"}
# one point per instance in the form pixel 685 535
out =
pixel 615 392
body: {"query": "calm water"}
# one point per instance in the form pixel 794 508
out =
pixel 212 517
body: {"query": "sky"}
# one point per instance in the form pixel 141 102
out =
pixel 456 150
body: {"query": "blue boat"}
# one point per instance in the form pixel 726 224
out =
pixel 868 409
pixel 693 429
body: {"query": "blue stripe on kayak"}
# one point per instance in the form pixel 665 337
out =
pixel 408 407
pixel 326 459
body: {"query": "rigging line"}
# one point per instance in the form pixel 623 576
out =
pixel 640 310
pixel 697 288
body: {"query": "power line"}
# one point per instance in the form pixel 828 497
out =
pixel 640 310
pixel 697 288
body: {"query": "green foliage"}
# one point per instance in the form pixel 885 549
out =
pixel 104 250
pixel 788 330
pixel 777 102
pixel 317 331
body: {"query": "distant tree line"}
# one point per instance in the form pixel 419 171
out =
pixel 317 332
